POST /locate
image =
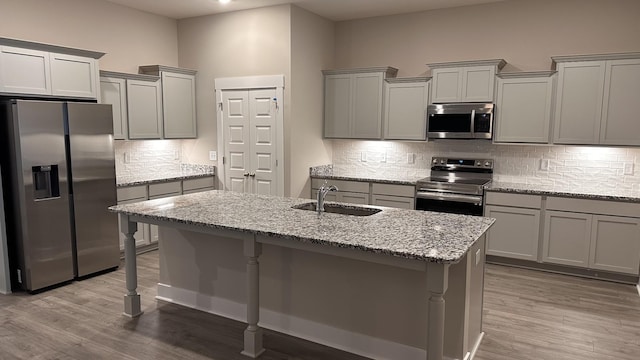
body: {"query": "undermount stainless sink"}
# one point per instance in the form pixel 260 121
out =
pixel 340 209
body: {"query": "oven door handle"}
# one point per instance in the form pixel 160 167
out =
pixel 449 197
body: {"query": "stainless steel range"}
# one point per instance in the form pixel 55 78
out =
pixel 455 185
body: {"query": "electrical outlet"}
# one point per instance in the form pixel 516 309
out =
pixel 383 157
pixel 176 155
pixel 213 155
pixel 628 169
pixel 544 164
pixel 126 158
pixel 411 158
pixel 363 156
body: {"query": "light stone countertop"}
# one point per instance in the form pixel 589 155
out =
pixel 566 191
pixel 421 235
pixel 184 172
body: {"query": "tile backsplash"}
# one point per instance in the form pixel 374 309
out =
pixel 134 157
pixel 584 166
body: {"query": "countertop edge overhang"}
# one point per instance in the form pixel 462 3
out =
pixel 409 234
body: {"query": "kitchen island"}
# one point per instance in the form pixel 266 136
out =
pixel 374 285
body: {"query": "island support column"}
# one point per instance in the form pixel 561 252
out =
pixel 253 333
pixel 437 283
pixel 131 299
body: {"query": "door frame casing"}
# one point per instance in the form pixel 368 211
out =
pixel 252 83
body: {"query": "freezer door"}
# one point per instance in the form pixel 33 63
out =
pixel 93 177
pixel 41 215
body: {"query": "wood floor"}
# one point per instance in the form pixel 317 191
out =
pixel 528 315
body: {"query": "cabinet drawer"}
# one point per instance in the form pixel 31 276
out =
pixel 515 200
pixel 165 189
pixel 393 190
pixel 132 193
pixel 343 185
pixel 195 184
pixel 393 201
pixel 588 206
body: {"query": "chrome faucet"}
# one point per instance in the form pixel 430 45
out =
pixel 322 192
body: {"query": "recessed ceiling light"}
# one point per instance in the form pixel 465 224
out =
pixel 224 1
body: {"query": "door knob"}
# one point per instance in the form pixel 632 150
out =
pixel 252 174
pixel 245 174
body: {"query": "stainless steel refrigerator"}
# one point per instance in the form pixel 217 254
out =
pixel 59 179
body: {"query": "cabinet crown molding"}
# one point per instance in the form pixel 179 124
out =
pixel 390 72
pixel 498 63
pixel 408 79
pixel 157 69
pixel 50 48
pixel 595 57
pixel 120 75
pixel 525 74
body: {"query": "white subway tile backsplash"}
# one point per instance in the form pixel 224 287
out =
pixel 568 165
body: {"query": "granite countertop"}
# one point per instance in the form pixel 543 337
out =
pixel 421 235
pixel 164 175
pixel 331 173
pixel 573 191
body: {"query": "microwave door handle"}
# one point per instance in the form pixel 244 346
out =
pixel 473 123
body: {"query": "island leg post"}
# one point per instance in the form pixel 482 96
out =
pixel 253 333
pixel 132 306
pixel 437 283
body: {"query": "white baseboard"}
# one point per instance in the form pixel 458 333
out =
pixel 302 328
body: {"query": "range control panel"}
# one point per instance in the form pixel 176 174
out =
pixel 443 162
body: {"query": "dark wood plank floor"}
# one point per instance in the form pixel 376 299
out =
pixel 528 315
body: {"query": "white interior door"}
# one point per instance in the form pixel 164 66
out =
pixel 250 140
pixel 263 139
pixel 237 133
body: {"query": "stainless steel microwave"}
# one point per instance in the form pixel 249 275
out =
pixel 460 121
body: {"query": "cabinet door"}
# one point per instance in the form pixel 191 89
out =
pixel 337 106
pixel 367 106
pixel 331 196
pixel 144 105
pixel 515 233
pixel 478 83
pixel 447 85
pixel 114 91
pixel 620 122
pixel 404 107
pixel 523 110
pixel 579 102
pixel 393 201
pixel 179 104
pixel 73 76
pixel 615 244
pixel 566 238
pixel 24 71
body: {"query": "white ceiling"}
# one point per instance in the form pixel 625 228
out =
pixel 336 10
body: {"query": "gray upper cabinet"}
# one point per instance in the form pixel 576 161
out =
pixel 29 68
pixel 596 99
pixel 178 100
pixel 524 105
pixel 136 103
pixel 464 81
pixel 405 104
pixel 354 102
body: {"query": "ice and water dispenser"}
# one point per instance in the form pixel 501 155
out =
pixel 46 183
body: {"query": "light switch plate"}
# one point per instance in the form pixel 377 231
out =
pixel 363 156
pixel 544 164
pixel 411 158
pixel 213 155
pixel 628 169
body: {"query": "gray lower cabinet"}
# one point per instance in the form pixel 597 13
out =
pixel 580 233
pixel 365 193
pixel 566 238
pixel 516 232
pixel 128 195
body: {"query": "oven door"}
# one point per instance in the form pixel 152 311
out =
pixel 449 203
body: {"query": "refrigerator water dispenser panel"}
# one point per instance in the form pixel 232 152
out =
pixel 46 183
